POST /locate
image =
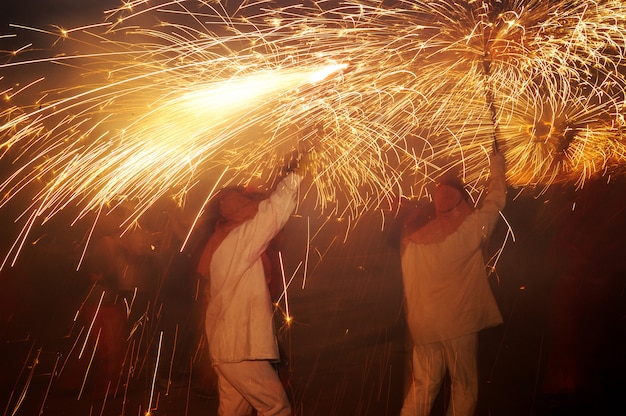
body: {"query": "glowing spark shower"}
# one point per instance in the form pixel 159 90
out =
pixel 160 99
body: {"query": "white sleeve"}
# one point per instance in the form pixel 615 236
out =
pixel 495 199
pixel 271 217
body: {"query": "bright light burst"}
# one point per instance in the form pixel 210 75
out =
pixel 164 97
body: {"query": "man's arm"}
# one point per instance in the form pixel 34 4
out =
pixel 495 200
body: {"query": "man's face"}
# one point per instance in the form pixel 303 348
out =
pixel 446 198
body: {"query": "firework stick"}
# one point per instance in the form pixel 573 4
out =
pixel 489 97
pixel 489 94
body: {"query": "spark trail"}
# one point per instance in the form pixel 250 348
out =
pixel 166 97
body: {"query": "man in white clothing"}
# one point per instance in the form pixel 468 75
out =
pixel 239 324
pixel 448 298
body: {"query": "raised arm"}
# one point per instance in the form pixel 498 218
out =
pixel 495 200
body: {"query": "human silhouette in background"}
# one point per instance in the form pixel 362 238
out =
pixel 239 316
pixel 448 298
pixel 95 369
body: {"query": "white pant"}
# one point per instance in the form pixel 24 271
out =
pixel 459 357
pixel 250 384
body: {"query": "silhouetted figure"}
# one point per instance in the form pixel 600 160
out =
pixel 448 298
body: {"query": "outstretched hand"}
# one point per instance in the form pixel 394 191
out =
pixel 496 160
pixel 305 163
pixel 308 144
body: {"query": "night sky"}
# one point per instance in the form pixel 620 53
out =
pixel 46 12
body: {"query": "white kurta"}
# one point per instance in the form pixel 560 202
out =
pixel 446 287
pixel 239 324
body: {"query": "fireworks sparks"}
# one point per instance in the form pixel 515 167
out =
pixel 401 93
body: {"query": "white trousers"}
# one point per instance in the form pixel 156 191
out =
pixel 250 384
pixel 459 357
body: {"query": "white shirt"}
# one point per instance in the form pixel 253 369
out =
pixel 446 287
pixel 239 324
